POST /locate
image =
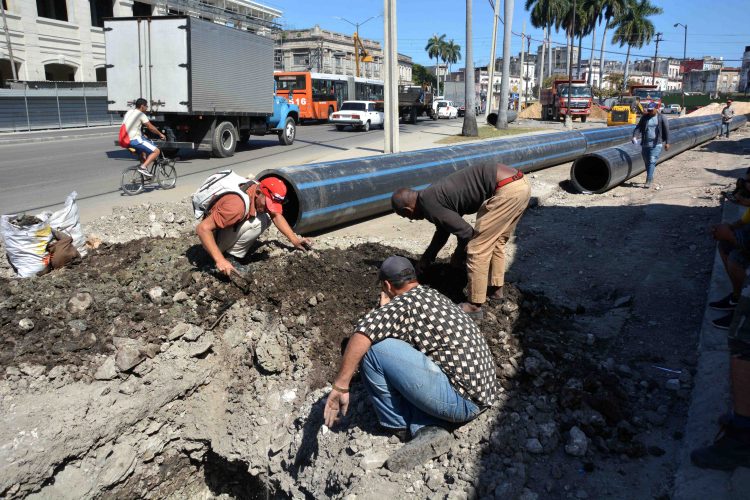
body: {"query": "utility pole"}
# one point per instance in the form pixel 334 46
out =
pixel 528 49
pixel 568 118
pixel 491 65
pixel 10 47
pixel 502 113
pixel 520 89
pixel 357 42
pixel 682 66
pixel 540 62
pixel 390 86
pixel 656 58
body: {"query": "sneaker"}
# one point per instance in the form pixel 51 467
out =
pixel 648 184
pixel 728 303
pixel 723 322
pixel 429 442
pixel 144 172
pixel 731 449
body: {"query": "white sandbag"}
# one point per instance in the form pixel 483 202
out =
pixel 68 220
pixel 26 246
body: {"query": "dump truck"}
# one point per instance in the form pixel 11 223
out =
pixel 207 85
pixel 415 101
pixel 554 100
pixel 646 94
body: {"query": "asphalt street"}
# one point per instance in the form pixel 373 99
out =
pixel 38 176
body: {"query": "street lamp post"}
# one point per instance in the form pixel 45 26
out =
pixel 356 36
pixel 684 58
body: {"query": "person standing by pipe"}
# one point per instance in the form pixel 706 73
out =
pixel 726 118
pixel 654 132
pixel 498 194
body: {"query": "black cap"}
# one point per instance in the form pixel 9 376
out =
pixel 396 268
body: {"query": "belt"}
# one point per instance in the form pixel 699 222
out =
pixel 508 180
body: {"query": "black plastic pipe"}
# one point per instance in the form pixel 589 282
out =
pixel 322 195
pixel 600 171
pixel 606 137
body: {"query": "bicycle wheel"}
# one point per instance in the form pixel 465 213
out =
pixel 166 175
pixel 132 181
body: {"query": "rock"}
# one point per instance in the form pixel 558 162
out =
pixel 151 217
pixel 155 294
pixel 509 307
pixel 32 370
pixel 157 230
pixel 118 465
pixel 79 302
pixel 673 384
pixel 190 332
pixel 288 396
pixel 434 479
pixel 200 348
pixel 193 333
pixel 313 301
pixel 78 325
pixel 107 370
pixel 302 320
pixel 26 324
pixel 168 217
pixel 373 459
pixel 234 336
pixel 180 297
pixel 130 386
pixel 270 355
pixel 128 357
pixel 534 446
pixel 577 443
pixel 56 372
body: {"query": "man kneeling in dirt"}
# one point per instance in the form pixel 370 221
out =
pixel 233 228
pixel 498 194
pixel 425 365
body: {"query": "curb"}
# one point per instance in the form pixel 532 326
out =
pixel 709 398
pixel 26 140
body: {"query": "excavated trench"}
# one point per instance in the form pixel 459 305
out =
pixel 139 373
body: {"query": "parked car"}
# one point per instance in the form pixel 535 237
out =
pixel 446 109
pixel 361 115
pixel 673 109
pixel 462 110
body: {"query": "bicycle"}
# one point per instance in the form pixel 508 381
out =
pixel 162 172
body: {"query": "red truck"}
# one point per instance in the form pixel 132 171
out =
pixel 647 94
pixel 554 101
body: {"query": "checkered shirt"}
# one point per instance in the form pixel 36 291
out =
pixel 438 328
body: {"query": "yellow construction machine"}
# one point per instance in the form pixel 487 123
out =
pixel 625 112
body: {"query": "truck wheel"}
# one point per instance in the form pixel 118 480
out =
pixel 366 126
pixel 224 140
pixel 339 127
pixel 286 136
pixel 413 116
pixel 583 118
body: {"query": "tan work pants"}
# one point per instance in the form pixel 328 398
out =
pixel 496 221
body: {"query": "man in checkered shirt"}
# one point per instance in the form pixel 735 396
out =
pixel 425 365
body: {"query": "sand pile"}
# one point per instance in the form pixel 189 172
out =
pixel 598 113
pixel 740 108
pixel 534 112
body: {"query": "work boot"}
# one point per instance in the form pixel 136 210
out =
pixel 496 295
pixel 648 184
pixel 429 442
pixel 728 303
pixel 731 449
pixel 723 322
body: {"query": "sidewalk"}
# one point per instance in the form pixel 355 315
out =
pixel 710 399
pixel 57 134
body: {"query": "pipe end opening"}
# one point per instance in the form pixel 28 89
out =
pixel 590 174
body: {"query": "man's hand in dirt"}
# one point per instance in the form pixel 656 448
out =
pixel 337 402
pixel 304 244
pixel 225 267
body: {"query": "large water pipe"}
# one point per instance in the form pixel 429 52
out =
pixel 600 171
pixel 322 195
pixel 606 137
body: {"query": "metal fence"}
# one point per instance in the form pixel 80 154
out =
pixel 51 105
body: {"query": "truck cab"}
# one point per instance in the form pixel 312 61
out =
pixel 555 100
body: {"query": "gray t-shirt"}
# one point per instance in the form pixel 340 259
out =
pixel 651 125
pixel 727 114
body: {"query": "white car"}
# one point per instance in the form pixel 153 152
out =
pixel 361 115
pixel 672 109
pixel 446 109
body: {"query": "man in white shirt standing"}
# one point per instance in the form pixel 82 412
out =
pixel 133 121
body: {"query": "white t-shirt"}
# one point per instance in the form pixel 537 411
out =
pixel 133 121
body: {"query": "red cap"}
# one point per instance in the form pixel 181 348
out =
pixel 275 191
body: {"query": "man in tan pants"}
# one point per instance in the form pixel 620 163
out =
pixel 498 194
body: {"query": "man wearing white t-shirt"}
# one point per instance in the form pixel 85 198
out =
pixel 133 121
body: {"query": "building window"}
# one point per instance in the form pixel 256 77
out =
pixel 301 59
pixel 101 74
pixel 52 9
pixel 99 10
pixel 6 72
pixel 59 73
pixel 141 9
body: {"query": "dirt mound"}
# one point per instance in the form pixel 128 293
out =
pixel 534 112
pixel 598 114
pixel 740 108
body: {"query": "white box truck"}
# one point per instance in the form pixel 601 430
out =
pixel 206 83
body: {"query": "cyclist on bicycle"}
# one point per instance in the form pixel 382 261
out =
pixel 133 121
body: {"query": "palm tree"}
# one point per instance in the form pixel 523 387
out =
pixel 634 29
pixel 544 14
pixel 610 10
pixel 594 13
pixel 434 49
pixel 451 53
pixel 469 128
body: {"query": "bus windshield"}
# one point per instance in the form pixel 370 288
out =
pixel 648 93
pixel 290 82
pixel 578 91
pixel 354 106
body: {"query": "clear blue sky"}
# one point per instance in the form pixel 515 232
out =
pixel 719 28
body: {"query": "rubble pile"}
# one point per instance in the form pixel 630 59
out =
pixel 141 373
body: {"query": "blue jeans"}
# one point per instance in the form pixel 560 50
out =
pixel 409 390
pixel 724 129
pixel 650 155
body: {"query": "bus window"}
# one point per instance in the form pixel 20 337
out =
pixel 341 90
pixel 289 82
